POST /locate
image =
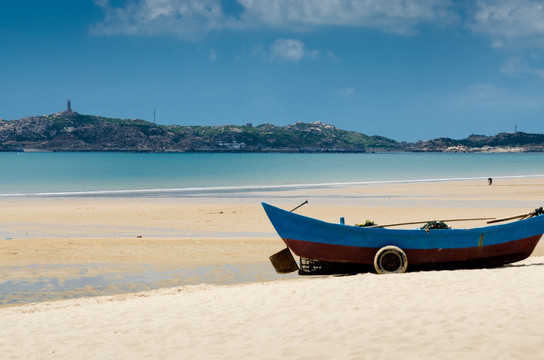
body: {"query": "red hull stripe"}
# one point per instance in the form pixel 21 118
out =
pixel 503 253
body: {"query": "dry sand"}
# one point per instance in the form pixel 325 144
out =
pixel 448 314
pixel 469 314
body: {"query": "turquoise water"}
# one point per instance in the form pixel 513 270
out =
pixel 131 174
pixel 135 173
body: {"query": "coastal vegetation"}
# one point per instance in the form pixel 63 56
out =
pixel 70 131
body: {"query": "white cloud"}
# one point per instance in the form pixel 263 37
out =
pixel 481 92
pixel 514 26
pixel 508 18
pixel 346 92
pixel 496 44
pixel 189 19
pixel 258 51
pixel 516 67
pixel 290 50
pixel 212 55
pixel 332 56
pixel 396 16
pixel 192 19
pixel 491 96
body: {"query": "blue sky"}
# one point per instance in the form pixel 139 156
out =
pixel 408 70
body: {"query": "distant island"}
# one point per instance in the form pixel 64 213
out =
pixel 70 131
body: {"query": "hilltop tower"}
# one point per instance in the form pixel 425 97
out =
pixel 69 106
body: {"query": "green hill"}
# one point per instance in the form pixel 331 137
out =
pixel 70 131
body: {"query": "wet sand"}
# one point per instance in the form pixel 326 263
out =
pixel 105 242
pixel 212 294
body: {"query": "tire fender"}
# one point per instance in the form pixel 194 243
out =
pixel 390 260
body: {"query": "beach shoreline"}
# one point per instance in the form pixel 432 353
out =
pixel 223 191
pixel 53 239
pixel 51 225
pixel 468 314
pixel 171 277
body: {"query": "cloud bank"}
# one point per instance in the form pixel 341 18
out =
pixel 188 19
pixel 193 19
pixel 513 24
pixel 501 20
pixel 508 19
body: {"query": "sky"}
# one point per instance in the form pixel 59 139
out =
pixel 407 70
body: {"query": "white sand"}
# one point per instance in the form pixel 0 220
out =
pixel 468 314
pixel 464 314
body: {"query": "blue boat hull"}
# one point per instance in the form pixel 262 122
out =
pixel 478 247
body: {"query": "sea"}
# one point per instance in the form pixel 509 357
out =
pixel 74 174
pixel 179 174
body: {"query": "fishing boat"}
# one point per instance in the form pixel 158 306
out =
pixel 325 247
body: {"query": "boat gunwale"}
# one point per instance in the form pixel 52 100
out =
pixel 378 230
pixel 491 245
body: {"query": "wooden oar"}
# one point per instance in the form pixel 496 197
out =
pixel 521 217
pixel 426 221
pixel 536 212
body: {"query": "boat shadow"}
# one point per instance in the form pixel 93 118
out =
pixel 335 269
pixel 521 265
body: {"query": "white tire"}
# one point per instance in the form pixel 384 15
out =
pixel 390 260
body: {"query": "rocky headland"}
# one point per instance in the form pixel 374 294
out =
pixel 70 131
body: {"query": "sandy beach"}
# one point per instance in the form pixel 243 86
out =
pixel 470 314
pixel 237 307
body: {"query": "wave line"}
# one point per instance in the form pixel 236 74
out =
pixel 248 188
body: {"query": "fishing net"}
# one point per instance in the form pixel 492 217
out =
pixel 366 223
pixel 432 225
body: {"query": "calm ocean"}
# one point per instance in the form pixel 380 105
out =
pixel 133 174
